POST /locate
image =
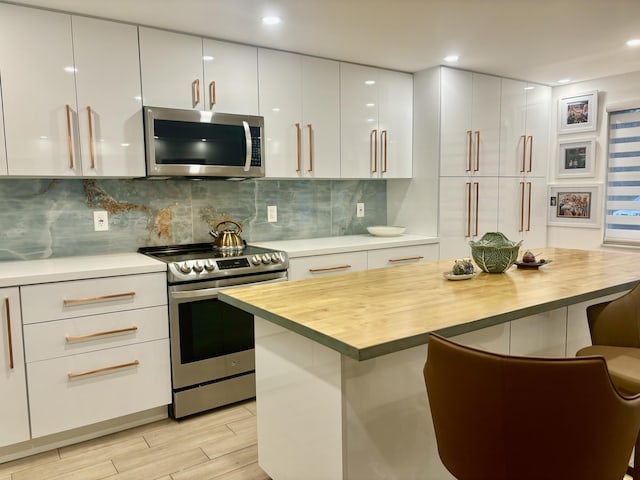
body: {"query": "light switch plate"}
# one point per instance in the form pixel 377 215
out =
pixel 100 221
pixel 272 213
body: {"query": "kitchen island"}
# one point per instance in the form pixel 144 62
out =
pixel 339 359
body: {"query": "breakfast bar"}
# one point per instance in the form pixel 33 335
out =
pixel 339 359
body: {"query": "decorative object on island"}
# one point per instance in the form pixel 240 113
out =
pixel 576 158
pixel 494 253
pixel 575 205
pixel 462 270
pixel 529 261
pixel 578 113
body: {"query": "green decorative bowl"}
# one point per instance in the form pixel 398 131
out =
pixel 494 253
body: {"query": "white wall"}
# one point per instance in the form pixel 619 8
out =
pixel 621 88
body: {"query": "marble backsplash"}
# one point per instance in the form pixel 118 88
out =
pixel 42 218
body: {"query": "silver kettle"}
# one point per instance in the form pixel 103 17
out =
pixel 227 239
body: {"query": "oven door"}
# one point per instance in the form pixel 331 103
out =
pixel 210 339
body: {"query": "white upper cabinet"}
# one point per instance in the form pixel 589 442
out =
pixel 109 107
pixel 185 71
pixel 470 123
pixel 171 68
pixel 97 132
pixel 38 90
pixel 3 152
pixel 300 102
pixel 376 122
pixel 14 415
pixel 524 129
pixel 230 77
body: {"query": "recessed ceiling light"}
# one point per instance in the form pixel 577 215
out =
pixel 564 80
pixel 207 58
pixel 271 20
pixel 634 42
pixel 451 58
pixel 369 82
pixel 529 87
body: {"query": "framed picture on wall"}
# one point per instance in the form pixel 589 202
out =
pixel 578 113
pixel 574 205
pixel 576 158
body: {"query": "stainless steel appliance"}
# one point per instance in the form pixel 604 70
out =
pixel 212 343
pixel 193 143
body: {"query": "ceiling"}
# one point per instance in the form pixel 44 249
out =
pixel 536 40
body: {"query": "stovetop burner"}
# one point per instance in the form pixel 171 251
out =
pixel 203 261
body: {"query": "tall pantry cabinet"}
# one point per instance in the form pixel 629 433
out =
pixel 491 136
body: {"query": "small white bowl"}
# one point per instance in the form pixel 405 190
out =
pixel 386 231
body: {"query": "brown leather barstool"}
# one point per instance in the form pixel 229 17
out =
pixel 615 335
pixel 499 417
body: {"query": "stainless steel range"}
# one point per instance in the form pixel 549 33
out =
pixel 212 343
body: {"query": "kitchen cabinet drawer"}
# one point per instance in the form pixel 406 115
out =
pixel 105 387
pixel 318 265
pixel 390 257
pixel 73 336
pixel 53 301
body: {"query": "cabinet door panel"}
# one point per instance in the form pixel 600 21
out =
pixel 320 111
pixel 523 210
pixel 537 128
pixel 485 119
pixel 512 128
pixel 541 335
pixel 321 265
pixel 14 416
pixel 108 83
pixel 391 257
pixel 457 96
pixel 170 63
pixel 234 69
pixel 38 77
pixel 281 105
pixel 3 152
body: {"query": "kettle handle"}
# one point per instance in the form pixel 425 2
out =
pixel 228 221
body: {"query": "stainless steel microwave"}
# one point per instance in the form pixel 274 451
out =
pixel 192 143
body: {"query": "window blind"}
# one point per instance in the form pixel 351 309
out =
pixel 623 178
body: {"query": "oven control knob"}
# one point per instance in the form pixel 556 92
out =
pixel 209 266
pixel 197 267
pixel 275 258
pixel 266 258
pixel 185 268
pixel 255 260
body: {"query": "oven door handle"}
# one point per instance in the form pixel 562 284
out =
pixel 213 292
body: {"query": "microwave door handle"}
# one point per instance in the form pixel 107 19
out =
pixel 247 137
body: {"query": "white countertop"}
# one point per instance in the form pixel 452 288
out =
pixel 348 243
pixel 46 270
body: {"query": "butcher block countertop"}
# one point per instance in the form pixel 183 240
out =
pixel 375 312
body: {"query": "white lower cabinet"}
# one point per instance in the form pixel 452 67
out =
pixel 77 390
pixel 14 414
pixel 319 265
pixel 391 257
pixel 95 349
pixel 540 335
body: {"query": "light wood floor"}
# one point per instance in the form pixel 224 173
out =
pixel 220 444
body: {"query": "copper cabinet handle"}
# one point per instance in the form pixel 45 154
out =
pixel 299 144
pixel 477 188
pixel 374 147
pixel 92 147
pixel 9 336
pixel 521 207
pixel 469 149
pixel 195 91
pixel 529 209
pixel 524 152
pixel 100 298
pixel 477 151
pixel 310 127
pixel 212 93
pixel 468 232
pixel 69 139
pixel 328 269
pixel 405 259
pixel 72 375
pixel 383 134
pixel 530 153
pixel 77 338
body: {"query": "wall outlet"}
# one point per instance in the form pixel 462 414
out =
pixel 359 209
pixel 100 221
pixel 272 213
